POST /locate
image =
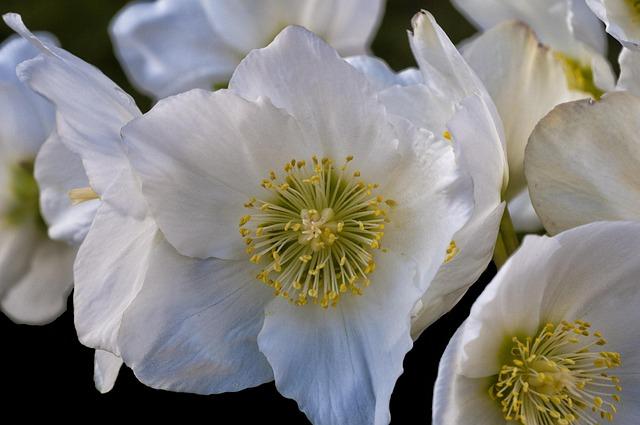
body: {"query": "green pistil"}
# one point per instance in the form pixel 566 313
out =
pixel 579 77
pixel 24 201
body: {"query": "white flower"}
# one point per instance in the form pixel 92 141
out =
pixel 35 272
pixel 527 79
pixel 582 158
pixel 553 339
pixel 170 46
pixel 621 17
pixel 324 218
pixel 91 110
pixel 446 96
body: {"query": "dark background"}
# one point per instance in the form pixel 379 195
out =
pixel 47 375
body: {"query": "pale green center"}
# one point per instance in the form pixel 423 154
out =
pixel 316 232
pixel 579 76
pixel 559 378
pixel 24 196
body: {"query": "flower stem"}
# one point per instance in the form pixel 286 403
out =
pixel 507 242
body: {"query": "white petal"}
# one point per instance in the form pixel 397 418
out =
pixel 525 81
pixel 558 23
pixel 476 241
pixel 248 24
pixel 345 360
pixel 58 170
pixel 621 18
pixel 380 74
pixel 629 71
pixel 434 197
pixel 523 215
pixel 338 110
pixel 458 400
pixel 205 316
pixel 26 119
pixel 16 247
pixel 109 272
pixel 169 46
pixel 40 295
pixel 347 25
pixel 201 156
pixel 106 367
pixel 507 309
pixel 92 108
pixel 582 162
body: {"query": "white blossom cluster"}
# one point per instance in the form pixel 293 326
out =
pixel 291 209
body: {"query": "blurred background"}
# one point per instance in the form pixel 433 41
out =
pixel 48 375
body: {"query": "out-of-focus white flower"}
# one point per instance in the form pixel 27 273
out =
pixel 91 110
pixel 530 71
pixel 35 271
pixel 170 46
pixel 553 339
pixel 445 96
pixel 622 18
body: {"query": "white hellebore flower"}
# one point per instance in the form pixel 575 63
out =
pixel 582 159
pixel 322 220
pixel 35 271
pixel 86 160
pixel 446 96
pixel 527 79
pixel 170 46
pixel 554 337
pixel 622 18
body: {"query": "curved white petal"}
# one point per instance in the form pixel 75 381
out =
pixel 91 108
pixel 58 170
pixel 458 400
pixel 338 112
pixel 621 18
pixel 201 156
pixel 206 316
pixel 381 75
pixel 525 81
pixel 582 160
pixel 109 271
pixel 629 71
pixel 345 360
pixel 434 197
pixel 169 46
pixel 40 295
pixel 25 118
pixel 561 24
pixel 106 367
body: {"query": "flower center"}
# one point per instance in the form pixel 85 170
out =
pixel 24 200
pixel 316 233
pixel 634 7
pixel 558 378
pixel 579 76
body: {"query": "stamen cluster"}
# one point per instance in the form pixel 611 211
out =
pixel 316 232
pixel 559 378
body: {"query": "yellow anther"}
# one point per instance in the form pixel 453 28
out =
pixel 244 219
pixel 447 135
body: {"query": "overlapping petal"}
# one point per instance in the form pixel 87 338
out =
pixel 581 163
pixel 621 18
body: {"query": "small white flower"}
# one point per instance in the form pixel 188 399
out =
pixel 553 339
pixel 460 108
pixel 170 46
pixel 35 271
pixel 622 18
